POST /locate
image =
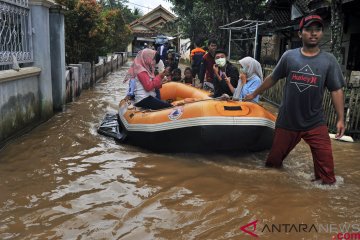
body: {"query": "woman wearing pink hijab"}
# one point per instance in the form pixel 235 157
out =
pixel 142 70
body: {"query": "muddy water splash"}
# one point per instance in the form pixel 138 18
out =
pixel 64 181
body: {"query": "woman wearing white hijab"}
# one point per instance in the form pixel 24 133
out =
pixel 251 77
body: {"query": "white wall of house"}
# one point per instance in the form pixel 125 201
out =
pixel 184 49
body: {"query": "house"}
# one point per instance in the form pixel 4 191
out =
pixel 147 27
pixel 286 15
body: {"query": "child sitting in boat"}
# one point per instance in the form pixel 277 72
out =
pixel 131 91
pixel 170 61
pixel 176 75
pixel 188 77
pixel 167 75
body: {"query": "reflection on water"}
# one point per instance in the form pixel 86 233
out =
pixel 64 181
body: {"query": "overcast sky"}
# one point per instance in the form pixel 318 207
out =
pixel 147 5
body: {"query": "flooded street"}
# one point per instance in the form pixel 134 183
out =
pixel 65 181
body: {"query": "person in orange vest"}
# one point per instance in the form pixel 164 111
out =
pixel 196 57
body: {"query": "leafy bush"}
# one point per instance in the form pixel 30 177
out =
pixel 93 29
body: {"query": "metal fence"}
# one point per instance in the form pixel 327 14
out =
pixel 15 32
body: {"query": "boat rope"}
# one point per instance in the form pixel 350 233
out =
pixel 221 98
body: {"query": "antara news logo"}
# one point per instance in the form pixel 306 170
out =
pixel 344 231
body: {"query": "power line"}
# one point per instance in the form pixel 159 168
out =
pixel 139 5
pixel 149 8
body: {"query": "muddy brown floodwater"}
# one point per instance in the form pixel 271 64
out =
pixel 64 181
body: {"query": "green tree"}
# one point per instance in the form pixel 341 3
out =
pixel 93 29
pixel 89 38
pixel 201 19
pixel 112 3
pixel 116 31
pixel 131 15
pixel 128 14
pixel 81 37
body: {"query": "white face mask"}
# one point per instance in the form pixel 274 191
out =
pixel 220 62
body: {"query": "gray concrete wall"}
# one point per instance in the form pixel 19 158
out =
pixel 41 50
pixel 121 61
pixel 86 66
pixel 19 100
pixel 79 76
pixel 57 48
pixel 99 70
pixel 27 97
pixel 69 85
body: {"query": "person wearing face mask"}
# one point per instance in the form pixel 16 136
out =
pixel 250 79
pixel 223 69
pixel 143 71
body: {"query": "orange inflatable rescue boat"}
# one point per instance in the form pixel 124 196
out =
pixel 195 123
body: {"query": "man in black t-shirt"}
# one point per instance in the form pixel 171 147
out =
pixel 308 71
pixel 223 69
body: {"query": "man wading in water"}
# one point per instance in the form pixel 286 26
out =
pixel 308 70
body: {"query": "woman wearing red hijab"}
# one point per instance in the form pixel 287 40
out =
pixel 142 70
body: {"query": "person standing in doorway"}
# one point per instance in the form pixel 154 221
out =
pixel 308 71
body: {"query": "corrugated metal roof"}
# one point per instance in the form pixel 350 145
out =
pixel 280 11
